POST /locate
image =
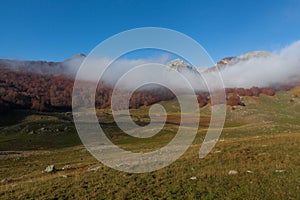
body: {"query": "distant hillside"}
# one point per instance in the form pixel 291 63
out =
pixel 46 92
pixel 47 86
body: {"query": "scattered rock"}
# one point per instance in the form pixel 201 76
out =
pixel 193 178
pixel 249 172
pixel 233 172
pixel 93 169
pixel 64 176
pixel 66 167
pixel 17 158
pixel 6 180
pixel 279 170
pixel 50 168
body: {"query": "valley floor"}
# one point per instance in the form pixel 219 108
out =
pixel 257 157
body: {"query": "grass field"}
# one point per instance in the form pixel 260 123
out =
pixel 260 142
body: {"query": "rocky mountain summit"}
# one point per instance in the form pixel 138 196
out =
pixel 180 66
pixel 229 61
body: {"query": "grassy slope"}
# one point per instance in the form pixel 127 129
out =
pixel 262 137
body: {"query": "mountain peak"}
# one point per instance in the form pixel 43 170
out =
pixel 255 54
pixel 79 55
pixel 178 64
pixel 246 56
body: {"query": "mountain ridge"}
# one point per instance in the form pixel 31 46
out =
pixel 44 90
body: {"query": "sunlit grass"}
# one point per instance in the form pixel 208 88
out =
pixel 259 141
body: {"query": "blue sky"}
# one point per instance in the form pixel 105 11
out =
pixel 54 30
